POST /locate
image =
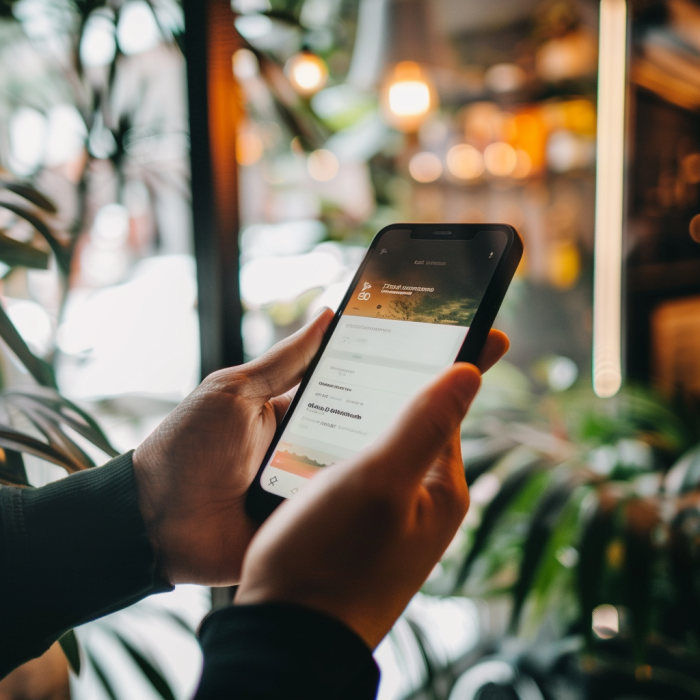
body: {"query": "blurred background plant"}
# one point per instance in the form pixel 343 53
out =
pixel 82 118
pixel 581 536
pixel 38 422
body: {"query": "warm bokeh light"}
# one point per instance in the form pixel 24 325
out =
pixel 307 72
pixel 500 159
pixel 505 77
pixel 690 168
pixel 531 136
pixel 465 162
pixel 482 123
pixel 567 57
pixel 408 97
pixel 322 165
pixel 425 167
pixel 523 164
pixel 695 228
pixel 249 148
pixel 564 264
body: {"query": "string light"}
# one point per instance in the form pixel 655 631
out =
pixel 408 97
pixel 500 159
pixel 307 72
pixel 425 167
pixel 465 162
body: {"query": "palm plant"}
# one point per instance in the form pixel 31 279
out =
pixel 58 429
pixel 585 527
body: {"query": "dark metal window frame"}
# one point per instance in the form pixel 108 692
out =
pixel 215 112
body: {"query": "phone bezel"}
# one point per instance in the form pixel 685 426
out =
pixel 261 503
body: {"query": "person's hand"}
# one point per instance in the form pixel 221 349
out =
pixel 193 472
pixel 361 538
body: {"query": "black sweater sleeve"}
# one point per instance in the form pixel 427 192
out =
pixel 70 552
pixel 256 652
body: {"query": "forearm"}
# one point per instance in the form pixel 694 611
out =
pixel 70 552
pixel 256 652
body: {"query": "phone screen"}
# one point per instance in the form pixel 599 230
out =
pixel 405 321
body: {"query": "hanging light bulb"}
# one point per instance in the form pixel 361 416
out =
pixel 307 72
pixel 408 97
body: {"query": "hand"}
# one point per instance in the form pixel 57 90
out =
pixel 362 537
pixel 193 472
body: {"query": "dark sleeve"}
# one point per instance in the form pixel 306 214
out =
pixel 258 652
pixel 70 552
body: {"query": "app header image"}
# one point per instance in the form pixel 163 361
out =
pixel 427 281
pixel 300 460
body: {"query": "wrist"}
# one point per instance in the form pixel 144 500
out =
pixel 151 511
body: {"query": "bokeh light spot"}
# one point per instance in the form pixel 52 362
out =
pixel 322 165
pixel 465 162
pixel 425 167
pixel 500 159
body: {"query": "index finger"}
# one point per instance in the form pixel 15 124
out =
pixel 283 366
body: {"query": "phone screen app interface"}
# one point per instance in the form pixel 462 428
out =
pixel 405 322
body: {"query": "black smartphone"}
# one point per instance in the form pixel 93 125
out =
pixel 425 296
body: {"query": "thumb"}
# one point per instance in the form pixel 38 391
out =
pixel 283 366
pixel 426 427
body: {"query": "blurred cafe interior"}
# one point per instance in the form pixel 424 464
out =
pixel 183 183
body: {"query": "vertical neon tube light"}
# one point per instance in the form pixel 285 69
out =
pixel 607 293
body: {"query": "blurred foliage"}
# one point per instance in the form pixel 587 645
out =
pixel 59 431
pixel 580 502
pixel 62 425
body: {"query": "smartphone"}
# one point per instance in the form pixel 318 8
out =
pixel 425 296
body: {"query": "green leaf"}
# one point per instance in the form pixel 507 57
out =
pixel 57 438
pixel 154 675
pixel 554 588
pixel 541 525
pixel 71 648
pixel 61 253
pixel 480 455
pixel 684 550
pixel 597 532
pixel 59 409
pixel 17 254
pixel 691 478
pixel 30 194
pixel 40 370
pixel 510 488
pixel 641 519
pixel 106 683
